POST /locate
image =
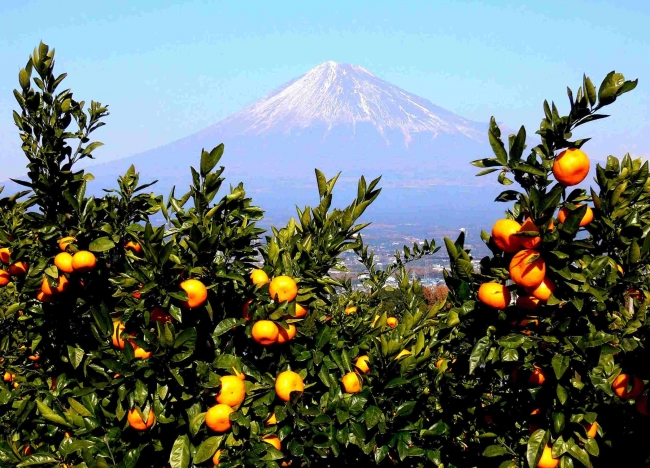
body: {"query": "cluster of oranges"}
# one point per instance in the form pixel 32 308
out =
pixel 18 268
pixel 352 380
pixel 82 261
pixel 627 387
pixel 284 289
pixel 118 341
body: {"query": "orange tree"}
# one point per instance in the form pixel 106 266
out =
pixel 193 343
pixel 550 332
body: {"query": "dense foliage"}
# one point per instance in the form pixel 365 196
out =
pixel 128 344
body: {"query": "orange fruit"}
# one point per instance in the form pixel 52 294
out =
pixel 83 261
pixel 259 277
pixel 16 385
pixel 503 235
pixel 118 328
pixel 65 242
pixel 528 321
pixel 8 377
pixel 620 269
pixel 529 242
pixel 4 278
pixel 351 310
pixel 285 335
pixel 244 312
pixel 286 463
pixel 133 246
pixel 351 382
pixel 5 255
pixel 41 296
pixel 273 420
pixel 494 295
pixel 284 287
pixel 232 391
pixel 402 353
pixel 392 322
pixel 571 167
pixel 547 460
pixel 362 363
pixel 63 262
pixel 265 332
pixel 586 219
pixel 273 440
pixel 216 457
pixel 527 302
pixel 217 418
pixel 287 382
pixel 136 294
pixel 140 353
pixel 592 430
pixel 18 268
pixel 34 357
pixel 50 290
pixel 642 405
pixel 300 311
pixel 526 272
pixel 158 314
pixel 621 383
pixel 537 376
pixel 139 424
pixel 544 290
pixel 536 411
pixel 196 291
pixel 239 375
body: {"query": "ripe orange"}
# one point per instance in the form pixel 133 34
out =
pixel 196 291
pixel 232 391
pixel 4 278
pixel 83 261
pixel 287 382
pixel 402 353
pixel 273 420
pixel 621 383
pixel 273 440
pixel 351 310
pixel 586 219
pixel 571 167
pixel 392 322
pixel 51 291
pixel 547 460
pixel 537 376
pixel 140 353
pixel 18 268
pixel 118 328
pixel 527 302
pixel 5 255
pixel 63 262
pixel 158 314
pixel 259 278
pixel 536 411
pixel 265 332
pixel 244 312
pixel 139 424
pixel 8 377
pixel 284 287
pixel 284 335
pixel 217 418
pixel 34 357
pixel 216 457
pixel 65 242
pixel 362 363
pixel 544 290
pixel 642 405
pixel 529 242
pixel 300 311
pixel 351 382
pixel 494 295
pixel 526 272
pixel 503 235
pixel 41 296
pixel 133 246
pixel 592 430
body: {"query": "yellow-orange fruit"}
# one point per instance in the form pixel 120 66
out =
pixel 273 440
pixel 284 287
pixel 216 457
pixel 18 268
pixel 621 383
pixel 362 363
pixel 217 418
pixel 83 261
pixel 287 382
pixel 118 328
pixel 300 311
pixel 133 246
pixel 60 288
pixel 41 296
pixel 65 242
pixel 494 295
pixel 571 167
pixel 350 310
pixel 547 460
pixel 259 277
pixel 273 420
pixel 586 219
pixel 503 235
pixel 351 382
pixel 592 430
pixel 5 255
pixel 233 391
pixel 392 322
pixel 265 332
pixel 138 423
pixel 544 290
pixel 537 377
pixel 526 272
pixel 63 261
pixel 5 278
pixel 284 335
pixel 196 291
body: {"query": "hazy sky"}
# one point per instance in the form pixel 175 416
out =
pixel 168 68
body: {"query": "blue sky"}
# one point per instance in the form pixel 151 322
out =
pixel 168 68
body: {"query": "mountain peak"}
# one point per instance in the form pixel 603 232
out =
pixel 333 95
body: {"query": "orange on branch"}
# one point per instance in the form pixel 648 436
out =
pixel 259 277
pixel 300 311
pixel 284 287
pixel 392 322
pixel 133 246
pixel 586 219
pixel 18 268
pixel 544 290
pixel 5 255
pixel 621 384
pixel 287 382
pixel 503 235
pixel 217 418
pixel 571 167
pixel 284 335
pixel 592 430
pixel 494 295
pixel 5 278
pixel 83 261
pixel 63 261
pixel 272 421
pixel 351 382
pixel 527 268
pixel 265 332
pixel 232 392
pixel 138 423
pixel 216 457
pixel 158 314
pixel 118 328
pixel 42 297
pixel 547 460
pixel 65 242
pixel 62 286
pixel 196 291
pixel 351 310
pixel 362 363
pixel 273 440
pixel 537 377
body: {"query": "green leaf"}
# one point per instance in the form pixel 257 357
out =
pixel 535 447
pixel 38 459
pixel 180 454
pixel 79 408
pixel 494 135
pixel 76 356
pixel 210 160
pixel 101 244
pixel 560 365
pixel 196 422
pixel 227 325
pixel 478 353
pixel 372 415
pixel 50 415
pixel 207 449
pixel 494 451
pixel 609 88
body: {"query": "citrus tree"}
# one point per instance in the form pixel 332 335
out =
pixel 550 332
